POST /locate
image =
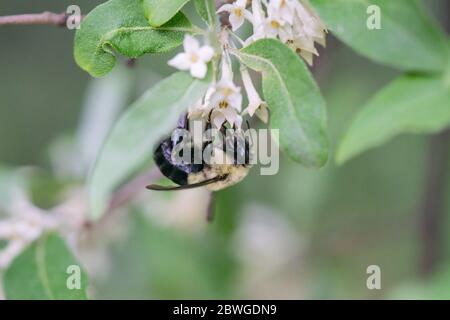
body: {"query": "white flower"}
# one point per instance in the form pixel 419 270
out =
pixel 303 45
pixel 196 111
pixel 258 19
pixel 306 29
pixel 312 25
pixel 238 13
pixel 292 21
pixel 219 116
pixel 226 98
pixel 226 94
pixel 194 57
pixel 276 26
pixel 263 113
pixel 284 8
pixel 256 105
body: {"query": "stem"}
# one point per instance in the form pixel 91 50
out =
pixel 126 194
pixel 44 18
pixel 129 190
pixel 433 205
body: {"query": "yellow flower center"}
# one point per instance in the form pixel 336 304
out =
pixel 275 24
pixel 238 12
pixel 226 91
pixel 194 58
pixel 223 104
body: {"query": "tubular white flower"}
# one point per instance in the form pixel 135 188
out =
pixel 194 57
pixel 223 100
pixel 226 93
pixel 263 113
pixel 220 115
pixel 312 25
pixel 196 111
pixel 276 26
pixel 238 13
pixel 255 104
pixel 285 9
pixel 306 42
pixel 258 18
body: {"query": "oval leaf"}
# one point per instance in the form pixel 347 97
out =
pixel 104 101
pixel 42 272
pixel 121 25
pixel 133 138
pixel 207 11
pixel 296 105
pixel 159 12
pixel 410 104
pixel 408 38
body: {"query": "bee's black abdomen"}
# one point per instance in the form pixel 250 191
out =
pixel 178 173
pixel 162 157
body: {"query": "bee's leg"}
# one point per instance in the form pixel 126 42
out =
pixel 211 208
pixel 209 116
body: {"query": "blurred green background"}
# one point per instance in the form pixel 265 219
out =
pixel 300 234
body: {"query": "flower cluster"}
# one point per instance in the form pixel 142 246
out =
pixel 291 21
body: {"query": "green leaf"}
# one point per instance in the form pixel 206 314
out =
pixel 131 143
pixel 121 25
pixel 104 100
pixel 159 12
pixel 41 273
pixel 297 108
pixel 207 10
pixel 408 39
pixel 410 104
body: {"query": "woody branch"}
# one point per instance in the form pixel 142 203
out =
pixel 44 18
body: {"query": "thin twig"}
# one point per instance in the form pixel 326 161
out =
pixel 44 18
pixel 432 209
pixel 124 195
pixel 129 190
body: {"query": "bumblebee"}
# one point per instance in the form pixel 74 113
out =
pixel 222 170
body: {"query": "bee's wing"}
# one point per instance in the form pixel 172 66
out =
pixel 187 186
